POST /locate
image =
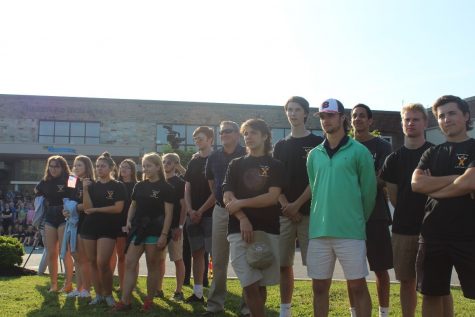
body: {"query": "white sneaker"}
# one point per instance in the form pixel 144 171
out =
pixel 110 301
pixel 73 293
pixel 97 300
pixel 84 294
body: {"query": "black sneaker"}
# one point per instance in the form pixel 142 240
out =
pixel 159 294
pixel 178 296
pixel 194 299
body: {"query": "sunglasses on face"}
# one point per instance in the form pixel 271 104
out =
pixel 226 131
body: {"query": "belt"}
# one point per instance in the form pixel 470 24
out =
pixel 220 204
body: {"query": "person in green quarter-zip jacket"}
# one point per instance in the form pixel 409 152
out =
pixel 343 185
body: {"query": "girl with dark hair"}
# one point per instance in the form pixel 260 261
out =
pixel 149 220
pixel 54 188
pixel 82 168
pixel 103 201
pixel 128 177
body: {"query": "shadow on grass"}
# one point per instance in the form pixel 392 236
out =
pixel 56 304
pixel 50 302
pixel 169 307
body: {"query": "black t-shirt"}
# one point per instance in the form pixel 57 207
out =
pixel 292 152
pixel 54 190
pixel 77 197
pixel 398 169
pixel 200 192
pixel 104 195
pixel 150 199
pixel 379 149
pixel 250 176
pixel 178 185
pixel 449 219
pixel 129 187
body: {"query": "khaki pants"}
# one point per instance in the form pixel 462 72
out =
pixel 220 254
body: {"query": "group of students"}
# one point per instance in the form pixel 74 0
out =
pixel 329 193
pixel 114 216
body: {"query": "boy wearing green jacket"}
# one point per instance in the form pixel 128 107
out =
pixel 343 185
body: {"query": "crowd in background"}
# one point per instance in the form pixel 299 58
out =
pixel 16 216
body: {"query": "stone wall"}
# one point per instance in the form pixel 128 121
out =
pixel 134 122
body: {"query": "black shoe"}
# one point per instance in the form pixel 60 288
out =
pixel 178 296
pixel 194 299
pixel 159 294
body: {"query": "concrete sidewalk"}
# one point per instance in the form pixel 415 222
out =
pixel 300 271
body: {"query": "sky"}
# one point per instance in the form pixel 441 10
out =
pixel 381 53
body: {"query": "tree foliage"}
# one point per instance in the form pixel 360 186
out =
pixel 185 155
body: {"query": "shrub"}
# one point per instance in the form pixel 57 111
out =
pixel 11 251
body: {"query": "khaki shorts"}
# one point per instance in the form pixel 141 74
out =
pixel 175 249
pixel 244 272
pixel 289 231
pixel 323 252
pixel 404 254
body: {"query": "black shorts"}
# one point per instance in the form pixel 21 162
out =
pixel 82 216
pixel 122 234
pixel 105 235
pixel 434 267
pixel 54 216
pixel 379 250
pixel 98 226
pixel 6 223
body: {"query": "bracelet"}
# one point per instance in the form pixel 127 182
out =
pixel 180 226
pixel 164 234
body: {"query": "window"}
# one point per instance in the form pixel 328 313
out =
pixel 66 132
pixel 278 134
pixel 29 169
pixel 182 134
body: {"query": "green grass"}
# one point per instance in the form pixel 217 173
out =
pixel 28 296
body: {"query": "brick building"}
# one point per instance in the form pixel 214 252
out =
pixel 35 127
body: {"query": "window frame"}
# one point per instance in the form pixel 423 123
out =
pixel 69 137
